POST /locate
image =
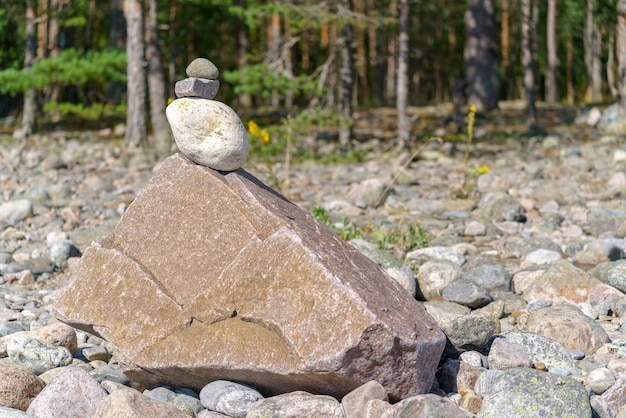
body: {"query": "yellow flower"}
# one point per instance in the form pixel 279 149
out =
pixel 265 136
pixel 253 128
pixel 483 169
pixel 472 109
pixel 169 100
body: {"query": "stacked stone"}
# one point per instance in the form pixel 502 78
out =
pixel 206 131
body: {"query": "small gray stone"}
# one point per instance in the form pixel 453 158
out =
pixel 229 398
pixel 197 87
pixel 434 276
pixel 600 380
pixel 422 255
pixel 113 374
pixel 475 228
pixel 161 394
pixel 36 354
pixel 8 328
pixel 601 407
pixel 202 68
pixel 469 332
pixel 466 292
pixel 15 210
pixel 541 256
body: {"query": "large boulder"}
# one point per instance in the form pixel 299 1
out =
pixel 213 275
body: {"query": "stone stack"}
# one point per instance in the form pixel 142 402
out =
pixel 212 275
pixel 208 132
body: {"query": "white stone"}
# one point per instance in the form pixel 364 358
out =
pixel 208 132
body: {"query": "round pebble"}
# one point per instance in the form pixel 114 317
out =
pixel 202 68
pixel 209 133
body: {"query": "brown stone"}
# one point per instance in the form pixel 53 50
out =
pixel 561 283
pixel 132 404
pixel 18 386
pixel 213 275
pixel 567 325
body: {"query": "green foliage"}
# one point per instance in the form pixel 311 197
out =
pixel 70 68
pixel 406 239
pixel 94 112
pixel 344 229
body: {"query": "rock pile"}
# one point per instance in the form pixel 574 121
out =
pixel 539 242
pixel 208 132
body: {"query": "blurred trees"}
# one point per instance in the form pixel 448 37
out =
pixel 295 56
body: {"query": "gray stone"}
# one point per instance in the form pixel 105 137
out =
pixel 497 207
pixel 466 292
pixel 541 349
pixel 229 398
pixel 197 87
pixel 297 404
pixel 161 394
pixel 541 256
pixel 202 68
pixel 73 393
pixel 601 407
pixel 600 380
pixel 470 332
pixel 604 219
pixel 107 372
pixel 487 274
pixel 15 210
pixel 36 354
pixel 527 392
pixel 226 272
pixel 422 255
pixel 434 276
pixel 14 413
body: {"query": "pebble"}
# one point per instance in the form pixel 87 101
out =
pixel 197 87
pixel 14 211
pixel 505 238
pixel 209 133
pixel 229 398
pixel 202 68
pixel 296 404
pixel 36 354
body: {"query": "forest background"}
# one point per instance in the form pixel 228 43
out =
pixel 298 65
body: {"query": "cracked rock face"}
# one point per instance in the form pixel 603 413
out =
pixel 215 276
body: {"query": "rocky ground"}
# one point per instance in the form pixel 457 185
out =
pixel 517 252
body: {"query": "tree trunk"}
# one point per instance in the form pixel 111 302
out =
pixel 273 51
pixel 551 83
pixel 610 65
pixel 347 78
pixel 481 55
pixel 242 49
pixel 29 115
pixel 527 63
pixel 621 56
pixel 156 86
pixel 390 76
pixel 117 39
pixel 136 131
pixel 593 50
pixel 404 133
pixel 569 70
